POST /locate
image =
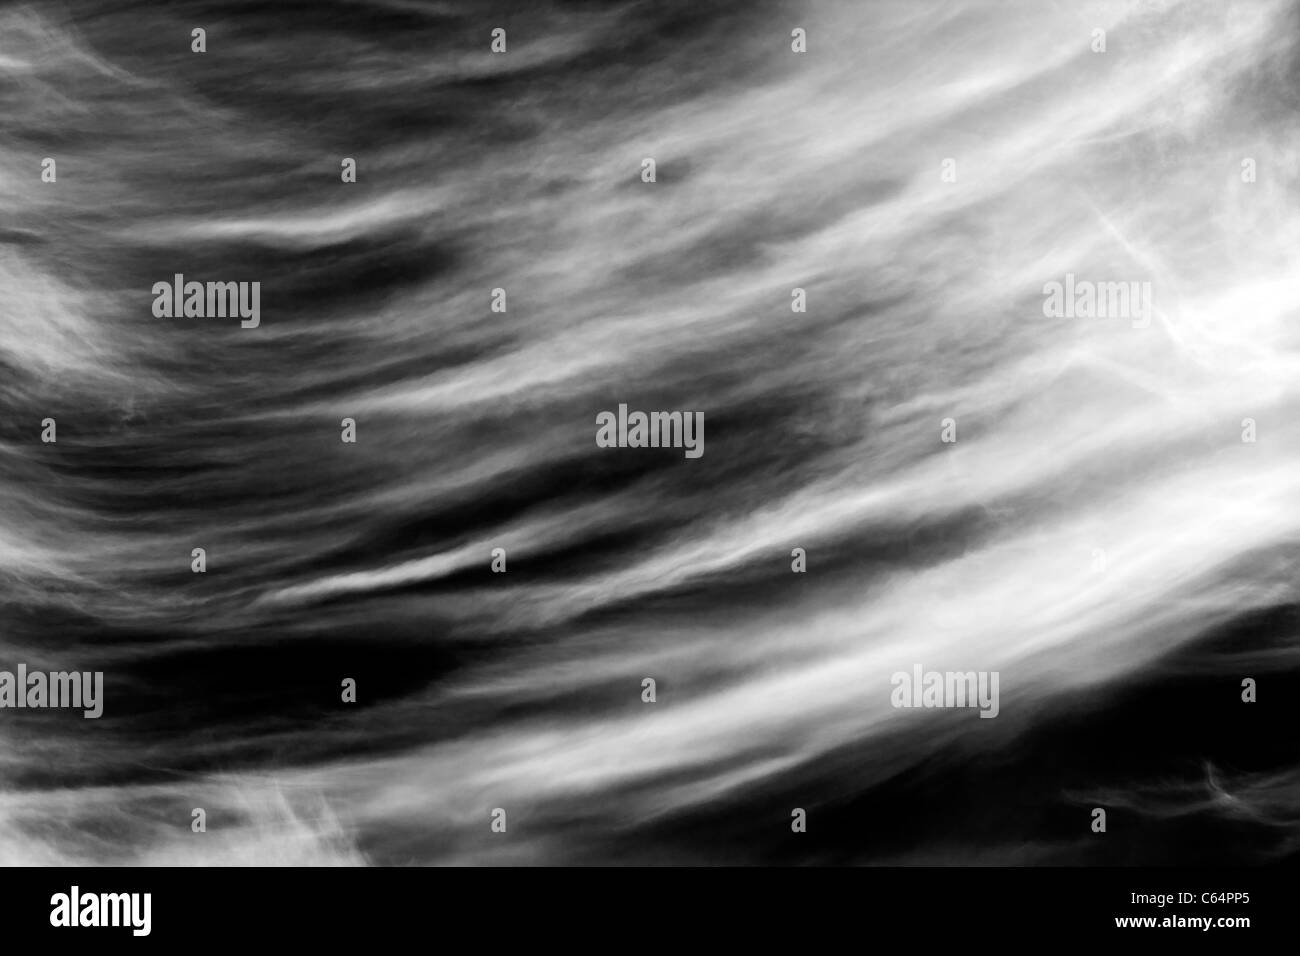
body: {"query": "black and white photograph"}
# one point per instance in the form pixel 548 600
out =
pixel 650 434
